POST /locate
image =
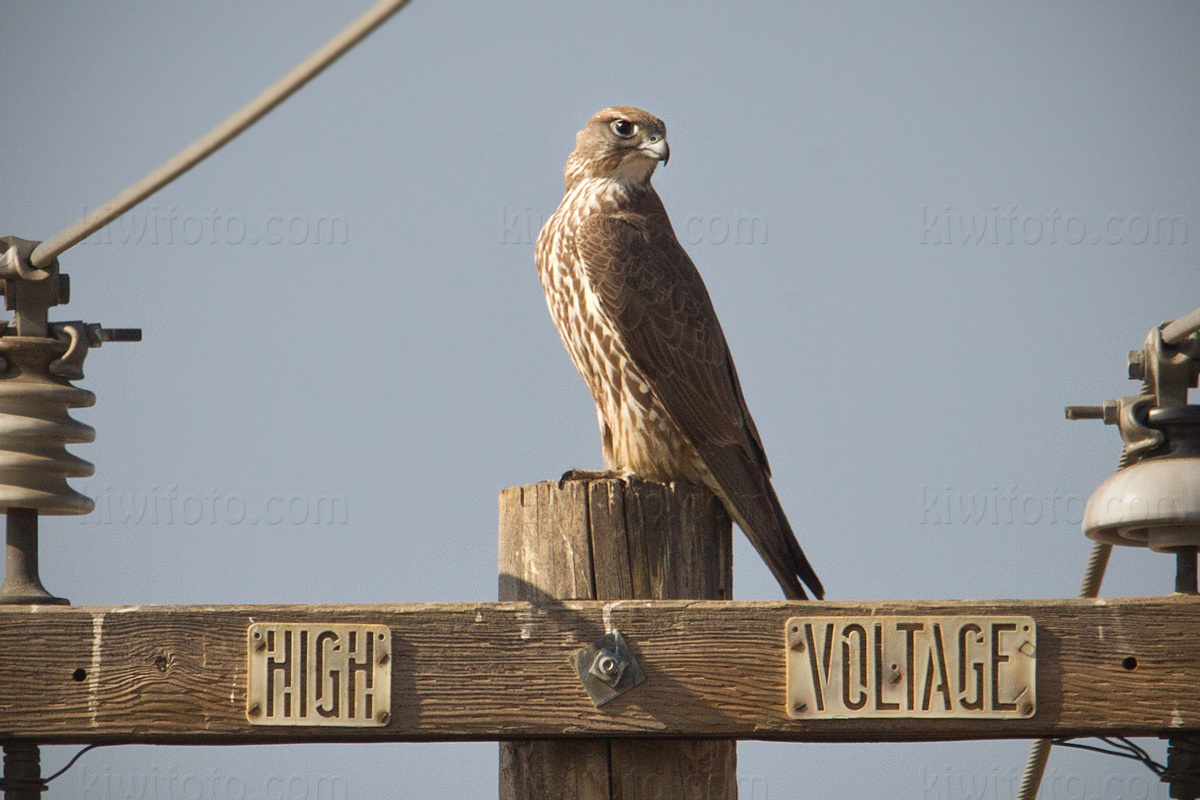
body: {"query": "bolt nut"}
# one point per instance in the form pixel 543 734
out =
pixel 607 667
pixel 1112 412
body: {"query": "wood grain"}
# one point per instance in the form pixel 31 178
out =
pixel 160 674
pixel 609 540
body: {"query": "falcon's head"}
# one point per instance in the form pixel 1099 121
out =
pixel 623 143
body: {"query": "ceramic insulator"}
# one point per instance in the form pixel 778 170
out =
pixel 35 428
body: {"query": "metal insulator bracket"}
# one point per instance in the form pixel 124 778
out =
pixel 1170 370
pixel 80 337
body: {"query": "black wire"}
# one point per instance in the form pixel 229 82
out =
pixel 1121 747
pixel 1142 754
pixel 1133 746
pixel 1122 743
pixel 71 763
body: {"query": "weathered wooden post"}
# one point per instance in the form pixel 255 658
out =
pixel 605 540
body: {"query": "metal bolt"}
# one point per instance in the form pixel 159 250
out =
pixel 384 658
pixel 260 643
pixel 382 717
pixel 800 708
pixel 1109 411
pixel 255 709
pixel 120 334
pixel 1137 365
pixel 798 645
pixel 607 667
pixel 1026 708
pixel 1085 412
pixel 896 674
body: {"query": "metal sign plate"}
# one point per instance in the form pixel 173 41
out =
pixel 300 674
pixel 882 666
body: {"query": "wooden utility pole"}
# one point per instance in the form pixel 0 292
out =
pixel 606 540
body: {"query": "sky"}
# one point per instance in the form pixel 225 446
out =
pixel 926 228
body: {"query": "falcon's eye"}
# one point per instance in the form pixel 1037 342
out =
pixel 624 128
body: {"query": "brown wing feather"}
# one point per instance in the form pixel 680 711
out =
pixel 649 286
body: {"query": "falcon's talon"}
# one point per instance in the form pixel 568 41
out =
pixel 625 476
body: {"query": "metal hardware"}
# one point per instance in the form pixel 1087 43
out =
pixel 1167 365
pixel 1170 370
pixel 38 359
pixel 328 675
pixel 1129 414
pixel 858 667
pixel 22 584
pixel 607 668
pixel 70 364
pixel 1106 412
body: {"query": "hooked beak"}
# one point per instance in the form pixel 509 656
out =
pixel 659 149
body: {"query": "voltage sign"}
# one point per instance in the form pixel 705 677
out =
pixel 886 666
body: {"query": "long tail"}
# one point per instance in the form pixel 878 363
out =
pixel 798 565
pixel 748 495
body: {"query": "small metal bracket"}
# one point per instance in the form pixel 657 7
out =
pixel 28 292
pixel 607 668
pixel 1131 420
pixel 1170 370
pixel 70 364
